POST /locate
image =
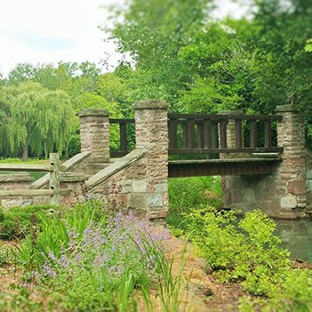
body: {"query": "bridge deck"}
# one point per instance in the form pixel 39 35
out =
pixel 237 166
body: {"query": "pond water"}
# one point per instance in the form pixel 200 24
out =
pixel 297 237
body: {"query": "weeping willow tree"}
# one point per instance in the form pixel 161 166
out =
pixel 4 113
pixel 38 119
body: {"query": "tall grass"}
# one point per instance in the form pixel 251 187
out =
pixel 188 193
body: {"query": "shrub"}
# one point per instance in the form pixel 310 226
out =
pixel 102 267
pixel 17 222
pixel 245 250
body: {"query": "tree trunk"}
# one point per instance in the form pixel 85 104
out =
pixel 25 152
pixel 45 150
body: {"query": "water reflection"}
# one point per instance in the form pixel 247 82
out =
pixel 297 237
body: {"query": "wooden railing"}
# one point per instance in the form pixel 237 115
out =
pixel 200 133
pixel 197 133
pixel 54 188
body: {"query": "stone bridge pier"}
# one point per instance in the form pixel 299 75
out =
pixel 282 194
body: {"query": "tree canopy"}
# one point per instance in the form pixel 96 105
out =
pixel 198 64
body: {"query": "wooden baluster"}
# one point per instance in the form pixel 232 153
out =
pixel 238 133
pixel 253 133
pixel 200 134
pixel 267 133
pixel 190 134
pixel 208 134
pixel 173 133
pixel 184 133
pixel 215 135
pixel 123 137
pixel 223 134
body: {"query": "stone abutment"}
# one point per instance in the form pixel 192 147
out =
pixel 282 194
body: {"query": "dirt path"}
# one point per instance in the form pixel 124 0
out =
pixel 200 292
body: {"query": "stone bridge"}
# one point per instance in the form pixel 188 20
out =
pixel 272 177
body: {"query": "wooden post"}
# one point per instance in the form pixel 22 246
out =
pixel 55 178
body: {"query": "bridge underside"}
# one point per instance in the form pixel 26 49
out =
pixel 243 166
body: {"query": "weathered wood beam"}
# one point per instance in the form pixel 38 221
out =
pixel 26 167
pixel 248 166
pixel 31 193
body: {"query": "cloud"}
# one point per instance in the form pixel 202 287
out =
pixel 42 43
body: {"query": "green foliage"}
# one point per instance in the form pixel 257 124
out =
pixel 37 117
pixel 168 288
pixel 200 65
pixel 187 193
pixel 17 222
pixel 308 47
pixel 53 234
pixel 5 254
pixel 84 260
pixel 153 32
pixel 21 301
pixel 247 250
pixel 49 96
pixel 292 293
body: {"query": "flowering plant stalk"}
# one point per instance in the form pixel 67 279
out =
pixel 104 267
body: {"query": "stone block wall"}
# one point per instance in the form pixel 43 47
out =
pixel 123 185
pixel 309 182
pixel 22 181
pixel 13 182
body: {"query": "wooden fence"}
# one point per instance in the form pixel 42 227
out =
pixel 54 190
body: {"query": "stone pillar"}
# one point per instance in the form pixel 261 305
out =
pixel 231 195
pixel 151 124
pixel 291 175
pixel 231 133
pixel 94 136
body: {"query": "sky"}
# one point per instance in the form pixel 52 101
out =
pixel 46 31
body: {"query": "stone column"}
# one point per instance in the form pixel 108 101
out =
pixel 291 175
pixel 94 136
pixel 151 124
pixel 231 195
pixel 231 131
